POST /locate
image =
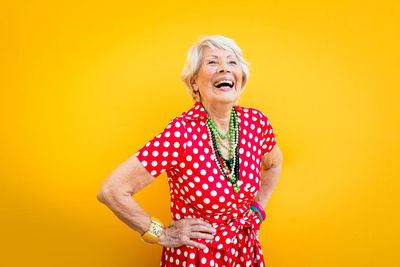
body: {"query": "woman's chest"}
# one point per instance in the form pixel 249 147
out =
pixel 200 179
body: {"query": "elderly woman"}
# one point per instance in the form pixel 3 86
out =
pixel 222 163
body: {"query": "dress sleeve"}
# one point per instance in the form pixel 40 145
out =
pixel 164 150
pixel 268 137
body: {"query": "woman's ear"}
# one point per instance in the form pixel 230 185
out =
pixel 241 90
pixel 194 85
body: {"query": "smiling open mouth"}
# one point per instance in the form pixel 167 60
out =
pixel 224 84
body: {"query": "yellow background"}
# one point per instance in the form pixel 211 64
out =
pixel 85 84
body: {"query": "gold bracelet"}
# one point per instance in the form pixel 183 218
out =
pixel 153 233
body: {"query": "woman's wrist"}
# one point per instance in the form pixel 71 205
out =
pixel 155 230
pixel 146 227
pixel 162 238
pixel 255 206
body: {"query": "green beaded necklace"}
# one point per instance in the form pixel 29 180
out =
pixel 232 129
pixel 233 139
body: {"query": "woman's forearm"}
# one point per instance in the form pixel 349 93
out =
pixel 128 210
pixel 269 180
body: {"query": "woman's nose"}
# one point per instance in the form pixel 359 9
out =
pixel 223 67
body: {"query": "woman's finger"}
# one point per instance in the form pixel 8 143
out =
pixel 200 235
pixel 195 244
pixel 180 232
pixel 203 228
pixel 195 221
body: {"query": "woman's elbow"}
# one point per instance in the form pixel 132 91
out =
pixel 105 192
pixel 113 189
pixel 101 195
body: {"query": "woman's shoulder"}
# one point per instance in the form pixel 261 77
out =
pixel 190 115
pixel 195 112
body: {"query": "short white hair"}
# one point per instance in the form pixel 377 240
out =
pixel 195 57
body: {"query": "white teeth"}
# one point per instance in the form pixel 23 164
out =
pixel 223 81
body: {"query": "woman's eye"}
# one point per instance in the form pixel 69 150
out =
pixel 234 62
pixel 212 61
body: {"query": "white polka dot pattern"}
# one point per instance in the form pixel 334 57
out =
pixel 163 152
pixel 199 190
pixel 268 139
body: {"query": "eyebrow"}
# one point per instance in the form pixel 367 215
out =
pixel 217 57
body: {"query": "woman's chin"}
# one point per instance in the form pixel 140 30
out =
pixel 225 89
pixel 226 96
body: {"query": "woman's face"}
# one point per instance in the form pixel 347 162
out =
pixel 219 65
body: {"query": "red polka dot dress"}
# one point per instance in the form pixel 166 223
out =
pixel 198 189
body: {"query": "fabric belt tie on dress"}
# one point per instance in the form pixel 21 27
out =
pixel 226 234
pixel 225 238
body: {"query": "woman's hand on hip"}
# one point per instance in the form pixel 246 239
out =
pixel 179 233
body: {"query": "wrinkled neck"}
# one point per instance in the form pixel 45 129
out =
pixel 220 114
